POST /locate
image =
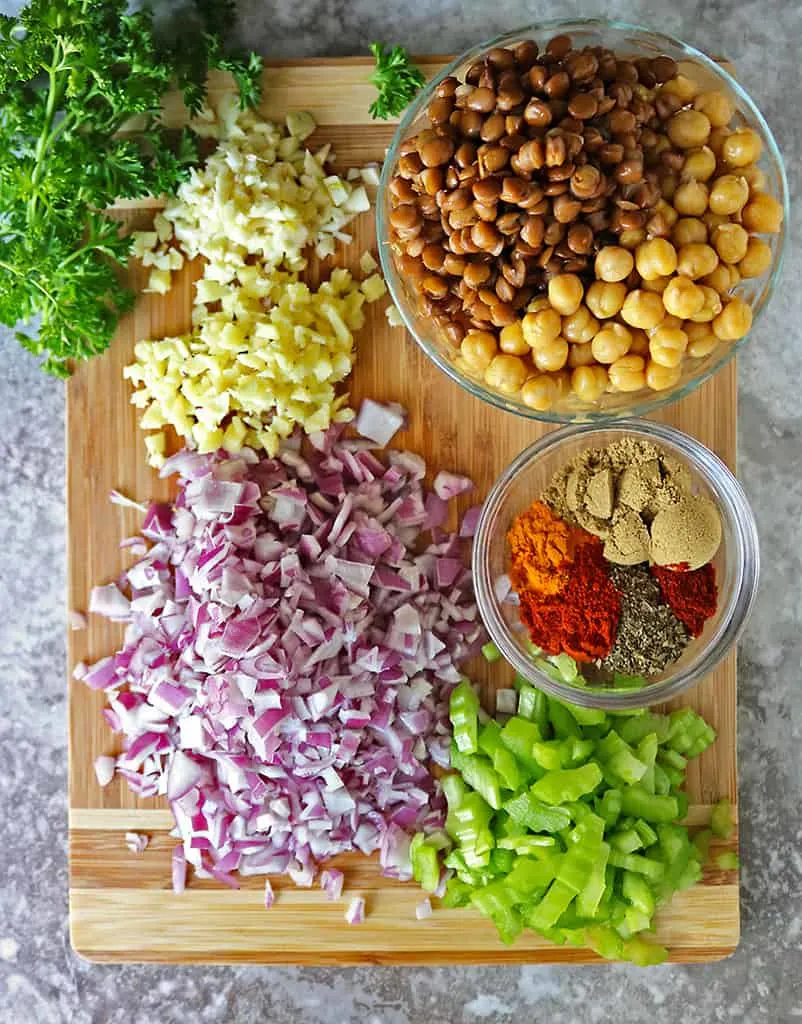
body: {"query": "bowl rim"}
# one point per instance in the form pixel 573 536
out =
pixel 643 406
pixel 729 494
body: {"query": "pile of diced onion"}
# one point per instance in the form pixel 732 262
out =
pixel 290 647
pixel 267 351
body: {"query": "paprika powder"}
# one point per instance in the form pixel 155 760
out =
pixel 692 595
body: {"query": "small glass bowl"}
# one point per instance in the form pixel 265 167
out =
pixel 635 42
pixel 737 561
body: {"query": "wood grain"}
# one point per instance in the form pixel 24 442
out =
pixel 121 905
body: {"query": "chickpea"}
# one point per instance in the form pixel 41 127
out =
pixel 763 213
pixel 718 108
pixel 688 230
pixel 589 382
pixel 688 129
pixel 691 198
pixel 724 278
pixel 755 178
pixel 699 164
pixel 742 148
pixel 669 323
pixel 756 260
pixel 612 342
pixel 717 139
pixel 538 304
pixel 506 374
pixel 628 373
pixel 540 327
pixel 657 284
pixel 632 238
pixel 551 355
pixel 642 309
pixel 512 341
pixel 701 340
pixel 605 300
pixel 683 298
pixel 655 258
pixel 640 342
pixel 667 345
pixel 661 378
pixel 714 220
pixel 613 263
pixel 539 392
pixel 729 194
pixel 581 355
pixel 711 308
pixel 580 326
pixel 730 242
pixel 696 260
pixel 734 321
pixel 565 293
pixel 684 88
pixel 667 212
pixel 478 349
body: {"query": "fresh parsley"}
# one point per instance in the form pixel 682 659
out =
pixel 397 80
pixel 81 84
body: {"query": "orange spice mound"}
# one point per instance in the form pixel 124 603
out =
pixel 542 548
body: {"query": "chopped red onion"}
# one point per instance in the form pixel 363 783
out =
pixel 331 882
pixel 77 620
pixel 450 485
pixel 379 422
pixel 270 896
pixel 104 769
pixel 179 870
pixel 288 659
pixel 424 909
pixel 470 521
pixel 136 842
pixel 355 914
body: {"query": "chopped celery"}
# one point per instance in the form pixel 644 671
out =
pixel 636 889
pixel 507 768
pixel 646 832
pixel 464 711
pixel 458 894
pixel 549 754
pixel 526 700
pixel 586 716
pixel 643 953
pixel 565 784
pixel 537 815
pixel 639 864
pixel 481 776
pixel 520 736
pixel 546 914
pixel 640 804
pixel 425 863
pixel 489 739
pixel 728 861
pixel 562 721
pixel 610 806
pixel 721 820
pixel 490 652
pixel 701 842
pixel 627 841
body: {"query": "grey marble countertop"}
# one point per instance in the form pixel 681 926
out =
pixel 43 982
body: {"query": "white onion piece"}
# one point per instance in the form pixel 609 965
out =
pixel 379 422
pixel 104 769
pixel 290 650
pixel 270 896
pixel 355 914
pixel 136 842
pixel 423 910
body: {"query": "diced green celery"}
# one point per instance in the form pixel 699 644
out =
pixel 728 861
pixel 721 819
pixel 425 863
pixel 526 699
pixel 556 901
pixel 501 861
pixel 563 722
pixel 626 841
pixel 691 874
pixel 528 875
pixel 566 666
pixel 640 804
pixel 704 739
pixel 646 832
pixel 652 869
pixel 526 845
pixel 610 806
pixel 673 758
pixel 662 783
pixel 549 754
pixel 526 809
pixel 567 784
pixel 636 889
pixel 635 920
pixel 481 776
pixel 646 750
pixel 458 894
pixel 586 716
pixel 604 941
pixel 507 768
pixel 495 902
pixel 642 953
pixel 589 899
pixel 463 711
pixel 489 739
pixel 490 652
pixel 541 715
pixel 682 804
pixel 455 790
pixel 633 730
pixel 676 776
pixel 575 752
pixel 626 767
pixel 647 781
pixel 520 736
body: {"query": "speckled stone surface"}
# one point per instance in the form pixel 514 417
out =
pixel 43 982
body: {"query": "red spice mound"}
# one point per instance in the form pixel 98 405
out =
pixel 691 596
pixel 582 619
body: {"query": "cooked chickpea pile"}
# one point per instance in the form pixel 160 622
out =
pixel 576 223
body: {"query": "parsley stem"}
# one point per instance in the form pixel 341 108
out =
pixel 54 96
pixel 30 280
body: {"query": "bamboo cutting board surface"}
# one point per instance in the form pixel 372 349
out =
pixel 121 904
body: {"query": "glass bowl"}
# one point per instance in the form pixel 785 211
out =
pixel 632 41
pixel 737 560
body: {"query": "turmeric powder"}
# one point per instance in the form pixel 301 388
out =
pixel 542 548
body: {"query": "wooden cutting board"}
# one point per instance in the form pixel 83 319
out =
pixel 121 904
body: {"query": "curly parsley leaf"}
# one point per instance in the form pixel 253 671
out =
pixel 397 80
pixel 81 86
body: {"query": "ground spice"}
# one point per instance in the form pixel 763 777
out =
pixel 650 636
pixel 582 619
pixel 542 547
pixel 691 595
